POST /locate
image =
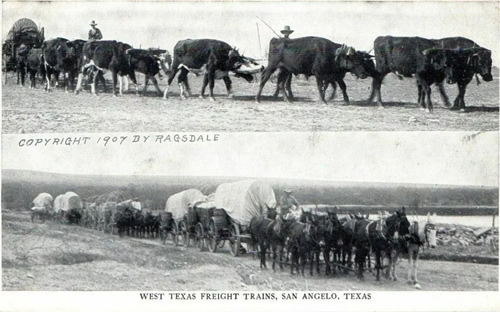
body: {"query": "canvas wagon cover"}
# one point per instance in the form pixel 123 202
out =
pixel 208 203
pixel 24 25
pixel 72 201
pixel 245 199
pixel 177 204
pixel 43 200
pixel 59 203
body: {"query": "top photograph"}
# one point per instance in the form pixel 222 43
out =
pixel 70 67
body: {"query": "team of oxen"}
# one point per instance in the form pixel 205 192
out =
pixel 302 237
pixel 454 59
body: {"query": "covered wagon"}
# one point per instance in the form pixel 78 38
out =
pixel 176 219
pixel 41 206
pixel 236 204
pixel 23 34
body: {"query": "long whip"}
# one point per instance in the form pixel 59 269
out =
pixel 268 26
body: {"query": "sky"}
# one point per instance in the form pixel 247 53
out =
pixel 451 158
pixel 153 24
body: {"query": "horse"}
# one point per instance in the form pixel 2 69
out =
pixel 422 233
pixel 258 232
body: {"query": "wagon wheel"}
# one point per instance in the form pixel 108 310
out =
pixel 175 233
pixel 235 240
pixel 212 236
pixel 200 236
pixel 221 244
pixel 185 233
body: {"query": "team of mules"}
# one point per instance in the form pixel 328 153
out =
pixel 305 240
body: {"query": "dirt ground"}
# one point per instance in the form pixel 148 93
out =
pixel 53 256
pixel 34 111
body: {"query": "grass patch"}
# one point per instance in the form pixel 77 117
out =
pixel 71 258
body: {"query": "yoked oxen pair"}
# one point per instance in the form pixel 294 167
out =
pixel 212 58
pixel 61 56
pixel 314 56
pixel 424 58
pixel 122 60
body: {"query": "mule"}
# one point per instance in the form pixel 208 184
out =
pixel 422 233
pixel 370 236
pixel 398 234
pixel 258 229
pixel 277 234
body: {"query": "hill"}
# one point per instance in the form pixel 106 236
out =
pixel 20 187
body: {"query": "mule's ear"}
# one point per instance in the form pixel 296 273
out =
pixel 302 209
pixel 434 215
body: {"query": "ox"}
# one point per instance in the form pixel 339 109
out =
pixel 462 65
pixel 61 55
pixel 149 62
pixel 105 55
pixel 403 57
pixel 213 57
pixel 314 56
pixel 21 62
pixel 35 65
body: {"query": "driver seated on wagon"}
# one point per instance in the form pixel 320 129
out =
pixel 289 206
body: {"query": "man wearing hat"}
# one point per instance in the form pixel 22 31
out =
pixel 94 33
pixel 288 204
pixel 287 31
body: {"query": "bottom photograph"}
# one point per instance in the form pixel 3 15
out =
pixel 321 212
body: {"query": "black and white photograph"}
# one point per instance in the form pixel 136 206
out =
pixel 245 66
pixel 245 155
pixel 325 211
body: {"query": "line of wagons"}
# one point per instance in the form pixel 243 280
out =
pixel 189 217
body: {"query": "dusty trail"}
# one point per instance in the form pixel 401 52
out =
pixel 60 257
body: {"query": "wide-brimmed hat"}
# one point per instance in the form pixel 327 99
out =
pixel 93 23
pixel 136 199
pixel 288 191
pixel 286 30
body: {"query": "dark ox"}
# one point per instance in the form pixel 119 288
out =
pixel 21 63
pixel 314 56
pixel 211 57
pixel 35 65
pixel 149 62
pixel 460 67
pixel 61 56
pixel 120 59
pixel 404 57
